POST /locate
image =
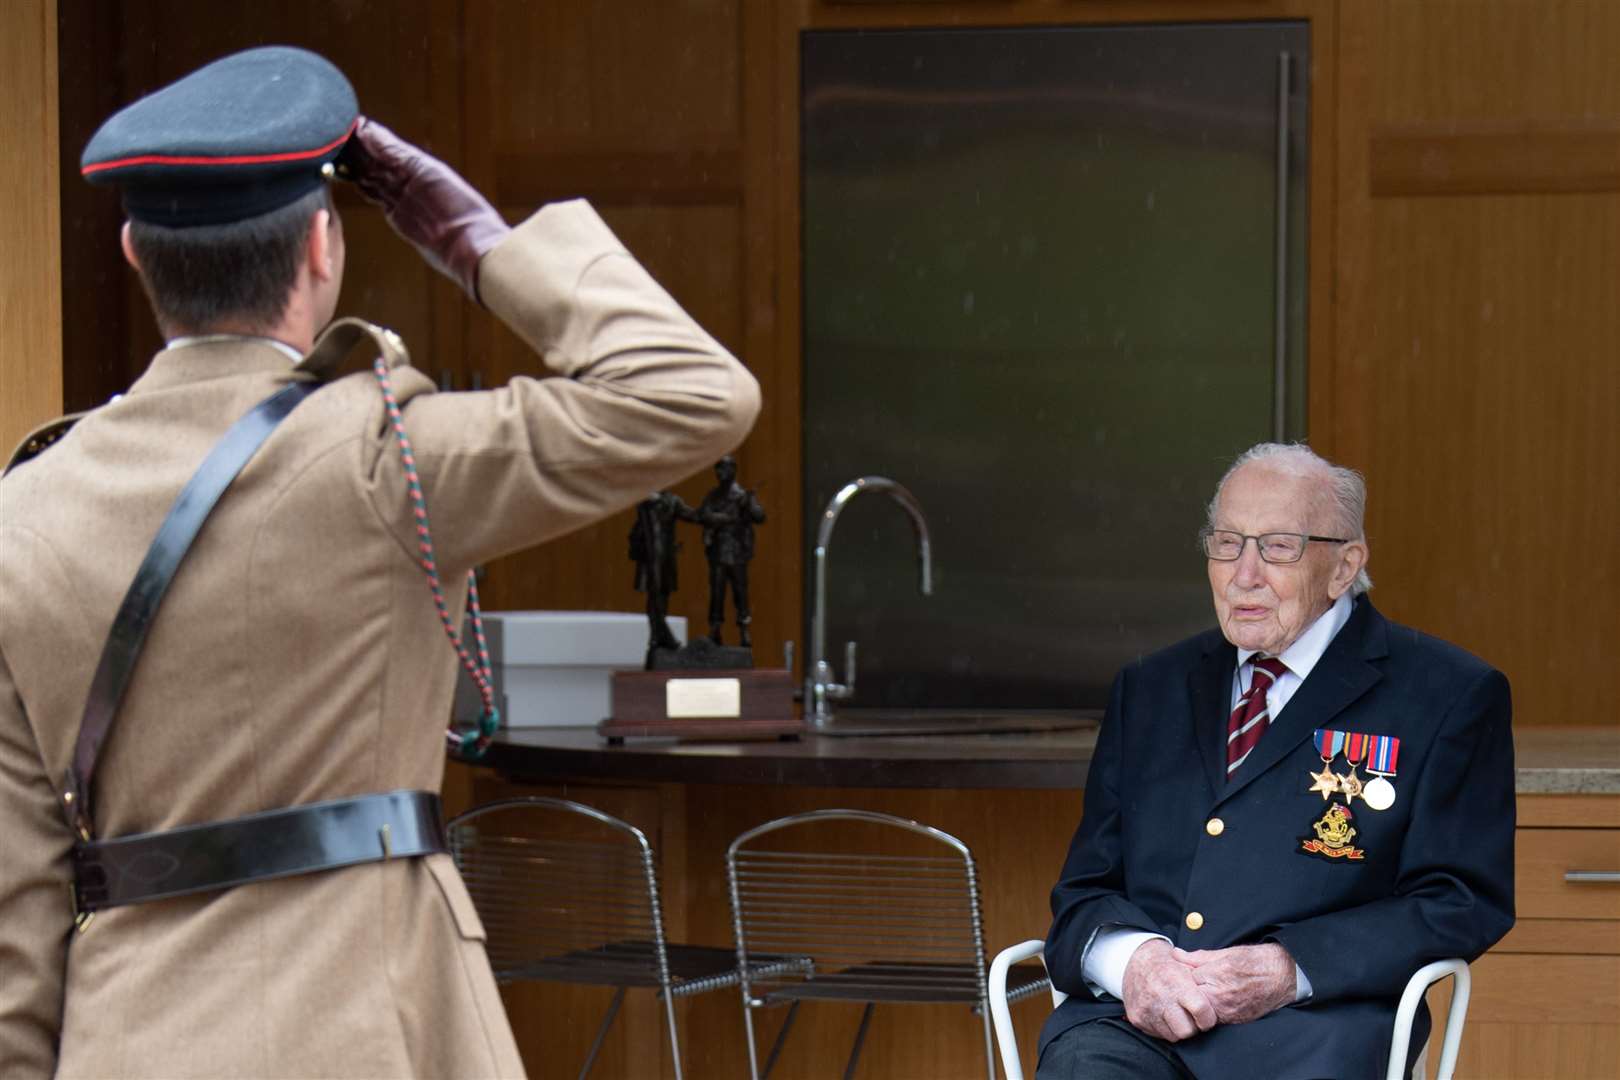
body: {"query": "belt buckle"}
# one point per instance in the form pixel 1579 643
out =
pixel 81 919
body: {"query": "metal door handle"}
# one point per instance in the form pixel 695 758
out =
pixel 1592 877
pixel 1279 362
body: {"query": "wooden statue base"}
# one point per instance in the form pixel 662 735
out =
pixel 737 703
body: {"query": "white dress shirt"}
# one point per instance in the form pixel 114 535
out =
pixel 1102 964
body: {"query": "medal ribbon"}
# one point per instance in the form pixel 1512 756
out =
pixel 1382 754
pixel 1328 743
pixel 1355 746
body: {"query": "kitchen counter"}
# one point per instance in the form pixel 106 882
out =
pixel 1568 760
pixel 1049 759
pixel 1551 760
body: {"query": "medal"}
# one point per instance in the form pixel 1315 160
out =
pixel 1328 743
pixel 1382 754
pixel 1355 747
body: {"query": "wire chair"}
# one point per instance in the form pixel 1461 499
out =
pixel 885 910
pixel 570 894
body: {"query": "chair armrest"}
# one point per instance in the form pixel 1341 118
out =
pixel 1006 1042
pixel 1416 987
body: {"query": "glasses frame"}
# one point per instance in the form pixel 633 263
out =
pixel 1205 535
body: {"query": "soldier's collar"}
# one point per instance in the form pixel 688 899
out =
pixel 189 341
pixel 212 356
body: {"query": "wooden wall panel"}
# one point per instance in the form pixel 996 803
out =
pixel 628 76
pixel 1474 382
pixel 639 108
pixel 30 281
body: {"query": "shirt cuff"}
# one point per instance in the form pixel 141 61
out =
pixel 1302 985
pixel 1102 964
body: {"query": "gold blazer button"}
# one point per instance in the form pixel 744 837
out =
pixel 1214 826
pixel 1195 921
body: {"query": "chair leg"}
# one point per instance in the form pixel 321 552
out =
pixel 860 1040
pixel 748 1027
pixel 781 1037
pixel 674 1040
pixel 602 1030
pixel 989 1040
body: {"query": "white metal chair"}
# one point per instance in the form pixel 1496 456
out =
pixel 882 909
pixel 1416 987
pixel 570 894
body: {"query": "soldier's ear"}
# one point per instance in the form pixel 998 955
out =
pixel 129 248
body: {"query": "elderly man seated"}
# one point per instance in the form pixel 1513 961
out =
pixel 1284 818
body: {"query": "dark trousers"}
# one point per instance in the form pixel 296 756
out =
pixel 1109 1050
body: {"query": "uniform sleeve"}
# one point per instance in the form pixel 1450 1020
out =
pixel 647 397
pixel 1090 893
pixel 1454 892
pixel 35 918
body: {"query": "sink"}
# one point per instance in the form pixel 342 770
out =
pixel 869 722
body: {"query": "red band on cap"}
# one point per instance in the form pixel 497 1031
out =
pixel 242 159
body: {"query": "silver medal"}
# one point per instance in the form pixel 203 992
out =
pixel 1379 793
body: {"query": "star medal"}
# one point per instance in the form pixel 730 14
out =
pixel 1382 753
pixel 1355 748
pixel 1328 743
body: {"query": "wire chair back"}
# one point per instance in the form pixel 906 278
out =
pixel 884 910
pixel 566 892
pixel 570 894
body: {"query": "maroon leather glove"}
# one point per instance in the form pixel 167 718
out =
pixel 426 201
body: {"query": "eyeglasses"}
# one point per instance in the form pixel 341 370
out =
pixel 1223 545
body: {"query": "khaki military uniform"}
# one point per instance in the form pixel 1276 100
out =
pixel 298 658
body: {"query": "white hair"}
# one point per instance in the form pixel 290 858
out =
pixel 1346 488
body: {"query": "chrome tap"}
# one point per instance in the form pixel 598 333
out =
pixel 821 686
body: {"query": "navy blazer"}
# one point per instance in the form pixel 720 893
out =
pixel 1436 879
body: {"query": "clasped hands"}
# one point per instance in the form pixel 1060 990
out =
pixel 1173 994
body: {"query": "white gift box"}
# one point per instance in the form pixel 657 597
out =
pixel 555 668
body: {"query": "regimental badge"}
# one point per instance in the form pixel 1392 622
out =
pixel 1333 835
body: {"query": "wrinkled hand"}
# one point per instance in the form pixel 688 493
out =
pixel 1244 982
pixel 1161 996
pixel 426 201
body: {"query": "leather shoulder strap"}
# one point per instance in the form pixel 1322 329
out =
pixel 136 614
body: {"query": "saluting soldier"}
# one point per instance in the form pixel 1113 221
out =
pixel 297 670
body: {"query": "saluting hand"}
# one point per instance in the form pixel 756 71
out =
pixel 426 201
pixel 1244 982
pixel 1161 996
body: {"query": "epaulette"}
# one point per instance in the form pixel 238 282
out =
pixel 41 439
pixel 343 335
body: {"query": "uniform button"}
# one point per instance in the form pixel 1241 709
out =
pixel 1214 826
pixel 1195 921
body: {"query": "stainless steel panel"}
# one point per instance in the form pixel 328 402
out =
pixel 1042 291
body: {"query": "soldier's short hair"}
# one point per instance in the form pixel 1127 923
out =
pixel 240 272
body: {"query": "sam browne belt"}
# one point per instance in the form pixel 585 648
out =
pixel 258 847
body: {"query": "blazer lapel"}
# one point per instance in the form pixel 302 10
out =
pixel 1209 686
pixel 1343 675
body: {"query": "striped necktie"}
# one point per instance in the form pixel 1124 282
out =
pixel 1250 717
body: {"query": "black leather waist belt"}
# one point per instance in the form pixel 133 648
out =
pixel 259 847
